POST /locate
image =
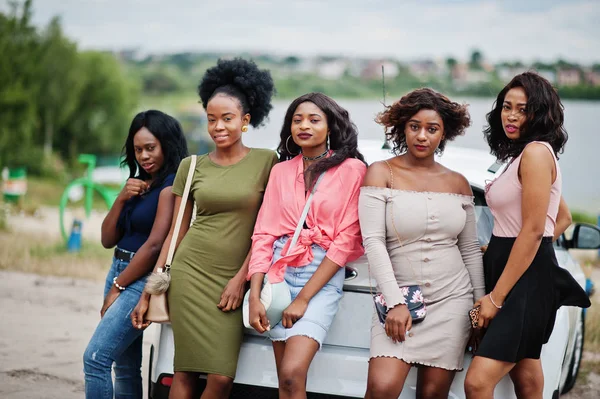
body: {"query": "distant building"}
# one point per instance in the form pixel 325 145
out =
pixel 506 73
pixel 592 78
pixel 463 76
pixel 568 77
pixel 332 70
pixel 372 70
pixel 548 74
pixel 487 66
pixel 307 65
pixel 423 69
pixel 132 54
pixel 459 72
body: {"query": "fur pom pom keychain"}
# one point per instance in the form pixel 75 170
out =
pixel 158 282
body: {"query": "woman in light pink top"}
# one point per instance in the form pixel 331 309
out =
pixel 317 138
pixel 524 283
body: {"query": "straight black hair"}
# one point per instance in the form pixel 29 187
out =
pixel 168 132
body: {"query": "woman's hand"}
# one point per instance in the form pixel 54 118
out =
pixel 258 315
pixel 110 298
pixel 397 323
pixel 294 312
pixel 132 188
pixel 138 316
pixel 232 295
pixel 487 311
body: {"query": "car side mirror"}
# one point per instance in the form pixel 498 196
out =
pixel 351 273
pixel 585 236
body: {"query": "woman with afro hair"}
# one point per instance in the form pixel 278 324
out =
pixel 317 139
pixel 524 283
pixel 418 225
pixel 208 274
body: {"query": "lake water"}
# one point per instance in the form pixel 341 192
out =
pixel 581 184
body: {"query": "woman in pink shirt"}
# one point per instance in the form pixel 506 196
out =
pixel 317 138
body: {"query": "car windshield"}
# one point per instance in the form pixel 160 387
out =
pixel 485 220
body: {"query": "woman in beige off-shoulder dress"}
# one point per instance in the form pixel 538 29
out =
pixel 418 225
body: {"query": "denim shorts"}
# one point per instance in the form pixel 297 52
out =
pixel 321 308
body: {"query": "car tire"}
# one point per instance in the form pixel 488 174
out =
pixel 577 355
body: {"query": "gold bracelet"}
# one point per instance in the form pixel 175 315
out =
pixel 494 303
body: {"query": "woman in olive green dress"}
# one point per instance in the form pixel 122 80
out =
pixel 209 269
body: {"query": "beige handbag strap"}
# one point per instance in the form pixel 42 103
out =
pixel 184 199
pixel 394 224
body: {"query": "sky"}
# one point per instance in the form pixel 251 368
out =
pixel 508 30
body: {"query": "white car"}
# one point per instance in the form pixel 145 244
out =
pixel 339 370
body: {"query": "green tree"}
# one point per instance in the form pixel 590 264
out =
pixel 159 82
pixel 291 61
pixel 104 109
pixel 542 66
pixel 19 46
pixel 54 98
pixel 60 82
pixel 476 59
pixel 451 63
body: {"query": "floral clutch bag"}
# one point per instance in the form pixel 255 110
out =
pixel 413 298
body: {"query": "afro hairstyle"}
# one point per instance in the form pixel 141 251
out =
pixel 243 80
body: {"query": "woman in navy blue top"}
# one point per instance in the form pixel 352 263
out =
pixel 136 226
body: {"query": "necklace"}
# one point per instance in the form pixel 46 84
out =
pixel 315 158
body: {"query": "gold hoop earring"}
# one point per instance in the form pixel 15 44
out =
pixel 244 128
pixel 286 145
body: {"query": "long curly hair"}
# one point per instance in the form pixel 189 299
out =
pixel 168 132
pixel 544 118
pixel 243 80
pixel 455 116
pixel 343 135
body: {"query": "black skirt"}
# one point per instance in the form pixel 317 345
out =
pixel 527 317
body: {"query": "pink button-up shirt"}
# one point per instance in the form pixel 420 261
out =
pixel 332 218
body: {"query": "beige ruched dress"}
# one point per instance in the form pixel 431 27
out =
pixel 440 252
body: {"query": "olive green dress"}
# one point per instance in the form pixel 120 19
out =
pixel 228 198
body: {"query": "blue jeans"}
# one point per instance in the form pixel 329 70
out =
pixel 116 341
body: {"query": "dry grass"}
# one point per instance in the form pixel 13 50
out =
pixel 45 255
pixel 592 325
pixel 47 192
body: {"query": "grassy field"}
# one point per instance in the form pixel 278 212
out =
pixel 41 254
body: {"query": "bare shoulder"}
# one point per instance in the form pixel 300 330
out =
pixel 377 175
pixel 537 165
pixel 460 184
pixel 536 153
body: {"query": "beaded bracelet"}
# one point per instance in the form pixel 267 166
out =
pixel 121 288
pixel 494 303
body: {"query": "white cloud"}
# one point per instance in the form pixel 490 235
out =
pixel 404 29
